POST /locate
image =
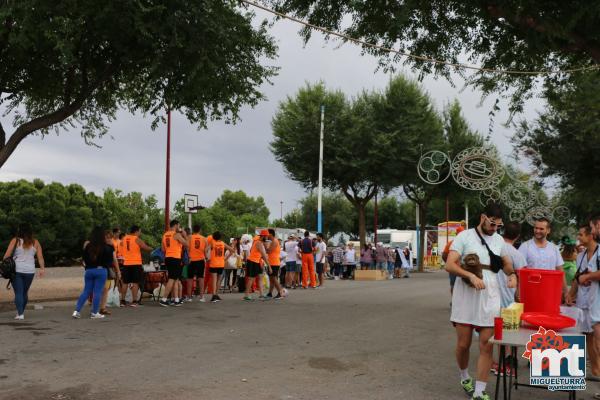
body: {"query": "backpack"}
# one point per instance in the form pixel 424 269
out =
pixel 8 270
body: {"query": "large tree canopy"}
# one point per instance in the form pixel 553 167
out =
pixel 507 35
pixel 563 142
pixel 371 142
pixel 79 61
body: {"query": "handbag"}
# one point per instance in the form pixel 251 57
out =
pixel 496 263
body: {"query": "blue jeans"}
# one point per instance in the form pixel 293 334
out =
pixel 21 286
pixel 382 265
pixel 94 278
pixel 391 268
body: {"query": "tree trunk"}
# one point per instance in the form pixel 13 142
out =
pixel 422 233
pixel 362 224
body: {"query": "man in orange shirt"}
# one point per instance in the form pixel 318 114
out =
pixel 217 263
pixel 132 272
pixel 253 268
pixel 173 242
pixel 308 261
pixel 197 248
pixel 274 255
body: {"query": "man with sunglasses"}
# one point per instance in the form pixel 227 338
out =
pixel 540 253
pixel 476 303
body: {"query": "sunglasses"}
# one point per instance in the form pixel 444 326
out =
pixel 493 224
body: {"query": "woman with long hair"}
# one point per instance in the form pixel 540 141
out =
pixel 98 256
pixel 24 248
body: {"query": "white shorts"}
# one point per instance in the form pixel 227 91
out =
pixel 476 307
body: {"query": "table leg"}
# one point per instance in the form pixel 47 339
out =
pixel 512 365
pixel 513 350
pixel 500 366
pixel 504 374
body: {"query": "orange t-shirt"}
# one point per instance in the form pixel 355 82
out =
pixel 132 255
pixel 197 247
pixel 275 253
pixel 217 254
pixel 172 247
pixel 255 255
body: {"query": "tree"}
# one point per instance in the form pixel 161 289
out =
pixel 509 35
pixel 362 139
pixel 239 204
pixel 457 137
pixel 127 209
pixel 563 142
pixel 79 61
pixel 60 216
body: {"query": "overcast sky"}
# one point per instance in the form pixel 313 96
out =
pixel 226 157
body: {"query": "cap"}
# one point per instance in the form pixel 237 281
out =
pixel 264 232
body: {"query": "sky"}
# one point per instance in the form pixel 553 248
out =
pixel 235 157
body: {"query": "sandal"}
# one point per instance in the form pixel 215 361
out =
pixel 105 312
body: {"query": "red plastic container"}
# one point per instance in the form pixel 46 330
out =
pixel 541 290
pixel 548 321
pixel 498 325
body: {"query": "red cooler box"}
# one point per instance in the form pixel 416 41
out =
pixel 541 290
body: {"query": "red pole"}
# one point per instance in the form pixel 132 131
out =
pixel 375 217
pixel 168 179
pixel 447 218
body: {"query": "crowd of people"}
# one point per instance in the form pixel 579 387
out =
pixel 476 300
pixel 197 265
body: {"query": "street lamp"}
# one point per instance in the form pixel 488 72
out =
pixel 281 211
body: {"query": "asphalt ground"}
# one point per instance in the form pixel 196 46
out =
pixel 348 340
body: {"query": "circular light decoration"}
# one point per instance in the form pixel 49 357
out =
pixel 477 168
pixel 434 167
pixel 561 214
pixel 487 196
pixel 518 215
pixel 538 212
pixel 517 196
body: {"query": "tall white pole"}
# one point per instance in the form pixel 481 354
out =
pixel 418 222
pixel 467 215
pixel 320 188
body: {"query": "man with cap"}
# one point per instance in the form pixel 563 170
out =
pixel 253 267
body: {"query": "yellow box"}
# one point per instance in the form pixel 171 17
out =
pixel 370 275
pixel 511 316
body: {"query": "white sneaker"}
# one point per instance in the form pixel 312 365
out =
pixel 96 316
pixel 188 299
pixel 202 300
pixel 20 317
pixel 76 315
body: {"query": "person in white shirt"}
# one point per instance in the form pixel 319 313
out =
pixel 475 301
pixel 349 261
pixel 291 255
pixel 320 250
pixel 540 253
pixel 584 291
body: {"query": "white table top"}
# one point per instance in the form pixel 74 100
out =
pixel 521 337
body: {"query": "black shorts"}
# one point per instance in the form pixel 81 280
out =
pixel 217 271
pixel 174 268
pixel 253 269
pixel 196 269
pixel 132 273
pixel 274 271
pixel 319 268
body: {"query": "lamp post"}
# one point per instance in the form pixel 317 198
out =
pixel 320 188
pixel 281 210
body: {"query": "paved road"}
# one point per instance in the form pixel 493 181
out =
pixel 350 340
